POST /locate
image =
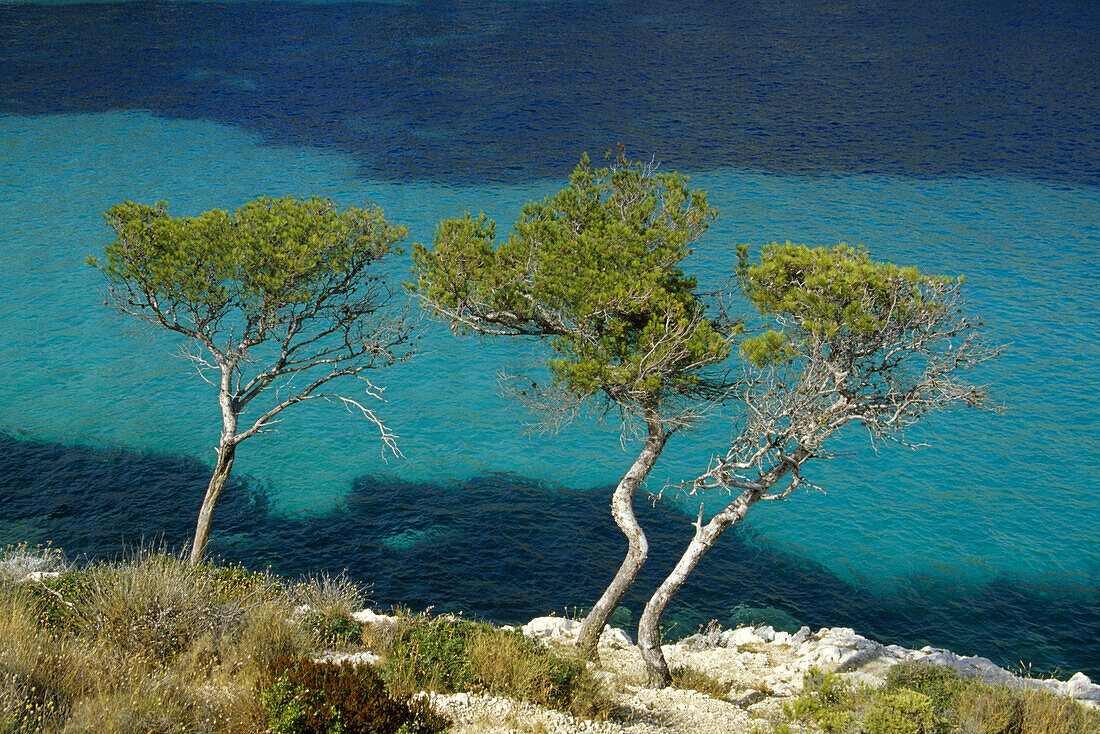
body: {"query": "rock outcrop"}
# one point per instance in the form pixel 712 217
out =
pixel 761 666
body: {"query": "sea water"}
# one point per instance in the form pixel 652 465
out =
pixel 984 541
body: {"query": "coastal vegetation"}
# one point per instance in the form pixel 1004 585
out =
pixel 279 299
pixel 594 272
pixel 152 643
pixel 925 699
pixel 282 298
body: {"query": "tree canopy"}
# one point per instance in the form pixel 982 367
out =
pixel 280 297
pixel 597 269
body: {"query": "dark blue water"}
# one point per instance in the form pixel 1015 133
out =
pixel 515 90
pixel 469 547
pixel 963 139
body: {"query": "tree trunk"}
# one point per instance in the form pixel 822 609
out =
pixel 649 626
pixel 622 510
pixel 213 491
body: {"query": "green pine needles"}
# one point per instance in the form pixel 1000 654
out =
pixel 258 263
pixel 832 295
pixel 597 269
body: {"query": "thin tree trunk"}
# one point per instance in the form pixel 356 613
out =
pixel 622 510
pixel 649 626
pixel 227 449
pixel 213 491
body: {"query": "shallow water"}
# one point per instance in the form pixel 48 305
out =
pixel 967 147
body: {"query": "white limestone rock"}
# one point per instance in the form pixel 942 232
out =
pixel 616 638
pixel 702 641
pixel 740 636
pixel 826 656
pixel 552 629
pixel 838 649
pixel 800 637
pixel 367 616
pixel 969 666
pixel 347 658
pixel 1080 687
pixel 765 633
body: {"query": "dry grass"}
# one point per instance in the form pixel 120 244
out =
pixel 380 638
pixel 919 698
pixel 688 678
pixel 448 654
pixel 17 561
pixel 981 709
pixel 151 644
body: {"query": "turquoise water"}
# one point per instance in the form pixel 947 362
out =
pixel 991 494
pixel 965 147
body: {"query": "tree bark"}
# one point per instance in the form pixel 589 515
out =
pixel 622 510
pixel 213 491
pixel 227 449
pixel 649 630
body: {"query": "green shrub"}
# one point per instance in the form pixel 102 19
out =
pixel 333 628
pixel 431 654
pixel 327 604
pixel 294 710
pixel 61 600
pixel 903 712
pixel 826 700
pixel 448 654
pixel 307 697
pixel 941 685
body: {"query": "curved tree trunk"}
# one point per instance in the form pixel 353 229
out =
pixel 213 491
pixel 649 626
pixel 649 629
pixel 622 510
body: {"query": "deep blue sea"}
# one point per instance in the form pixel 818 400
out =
pixel 960 137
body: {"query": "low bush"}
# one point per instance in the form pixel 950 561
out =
pixel 918 698
pixel 448 654
pixel 689 678
pixel 306 697
pixel 431 654
pixel 826 700
pixel 940 684
pixel 327 604
pixel 903 712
